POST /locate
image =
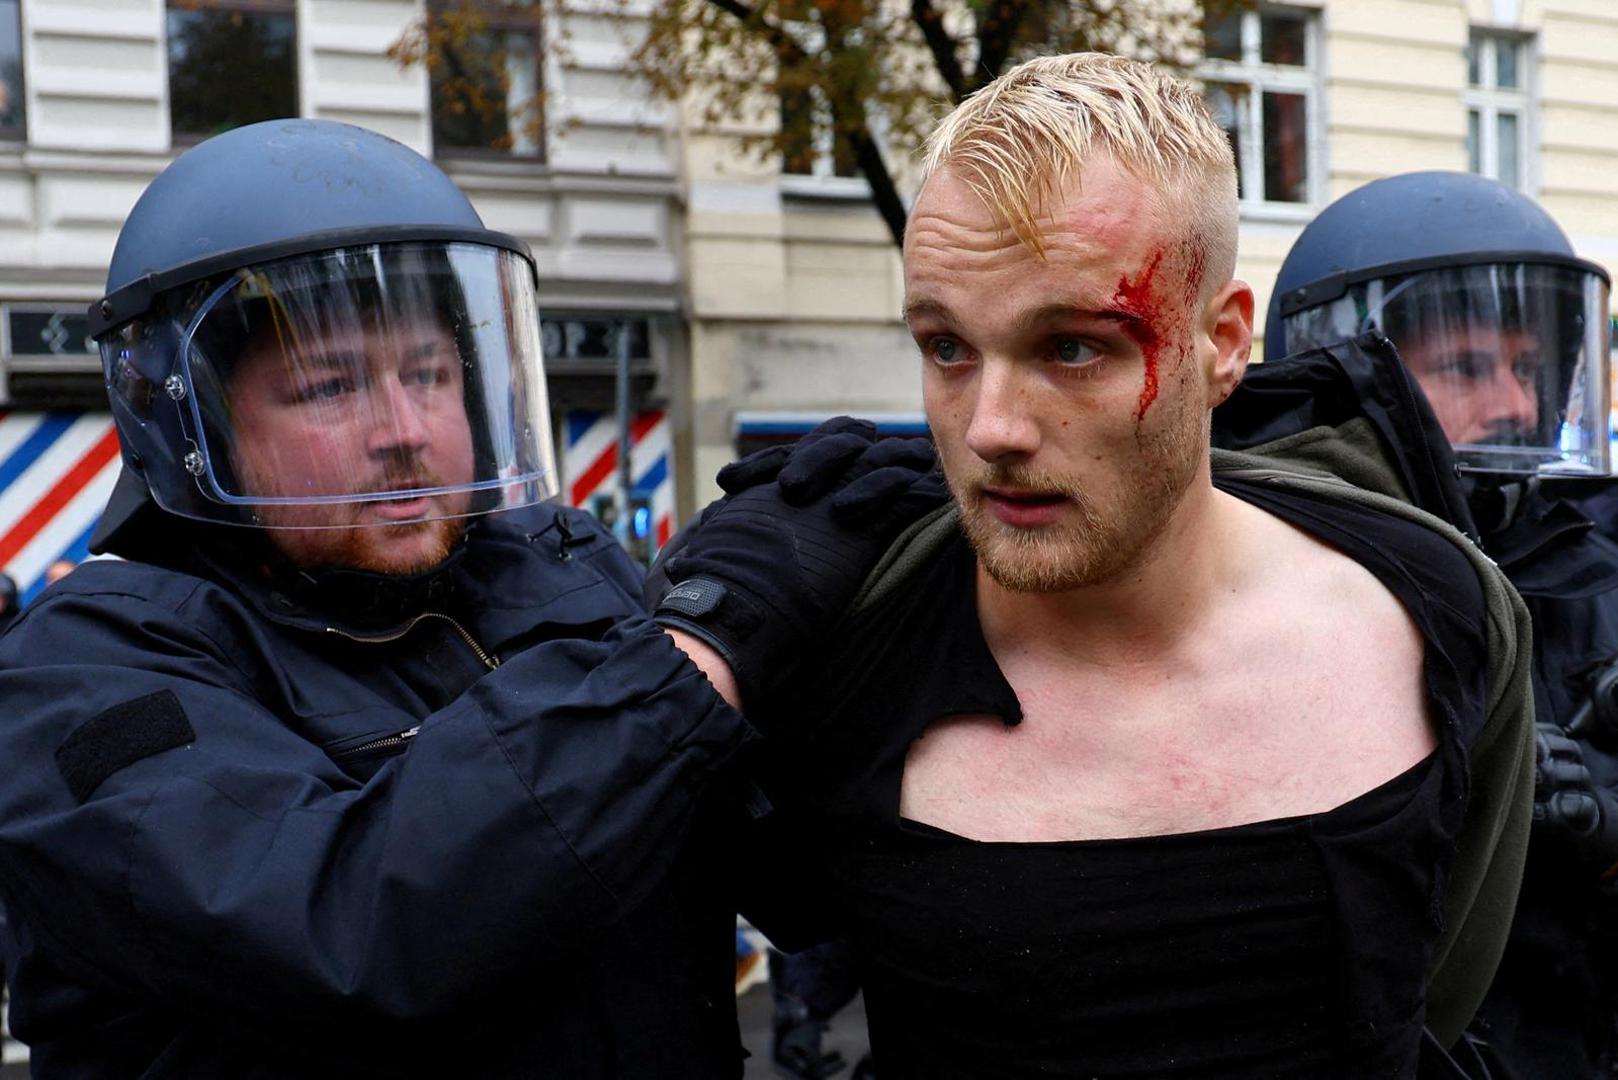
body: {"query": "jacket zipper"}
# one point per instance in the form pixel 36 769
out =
pixel 401 738
pixel 489 661
pixel 386 742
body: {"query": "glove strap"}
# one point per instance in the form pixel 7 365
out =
pixel 735 625
pixel 692 598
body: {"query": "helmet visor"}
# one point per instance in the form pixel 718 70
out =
pixel 1513 357
pixel 379 384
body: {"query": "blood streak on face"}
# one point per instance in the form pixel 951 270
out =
pixel 1136 298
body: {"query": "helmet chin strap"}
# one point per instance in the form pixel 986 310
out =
pixel 1496 498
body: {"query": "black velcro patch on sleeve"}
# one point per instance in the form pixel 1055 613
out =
pixel 119 737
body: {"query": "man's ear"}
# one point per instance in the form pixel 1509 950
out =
pixel 1228 324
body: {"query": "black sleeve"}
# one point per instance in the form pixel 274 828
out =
pixel 211 855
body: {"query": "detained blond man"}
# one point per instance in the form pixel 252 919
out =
pixel 1141 773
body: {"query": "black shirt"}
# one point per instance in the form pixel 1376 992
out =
pixel 1293 947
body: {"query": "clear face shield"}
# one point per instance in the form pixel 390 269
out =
pixel 380 384
pixel 1513 357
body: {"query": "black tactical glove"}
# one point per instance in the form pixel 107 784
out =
pixel 1597 719
pixel 765 572
pixel 1569 803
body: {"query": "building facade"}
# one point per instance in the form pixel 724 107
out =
pixel 795 285
pixel 97 96
pixel 754 295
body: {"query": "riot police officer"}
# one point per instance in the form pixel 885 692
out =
pixel 364 759
pixel 1504 329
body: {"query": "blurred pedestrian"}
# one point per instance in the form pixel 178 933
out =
pixel 809 988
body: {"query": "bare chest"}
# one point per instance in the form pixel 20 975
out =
pixel 1154 749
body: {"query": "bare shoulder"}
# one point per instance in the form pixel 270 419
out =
pixel 1334 633
pixel 1340 657
pixel 1300 575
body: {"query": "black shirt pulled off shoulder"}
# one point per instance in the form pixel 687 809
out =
pixel 1296 947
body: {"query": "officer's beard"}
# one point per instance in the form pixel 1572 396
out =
pixel 355 542
pixel 398 549
pixel 1509 433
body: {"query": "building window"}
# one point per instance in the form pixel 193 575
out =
pixel 816 158
pixel 1497 107
pixel 484 62
pixel 810 143
pixel 11 114
pixel 1260 80
pixel 231 62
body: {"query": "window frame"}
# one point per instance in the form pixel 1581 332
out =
pixel 185 139
pixel 1258 77
pixel 822 181
pixel 1489 101
pixel 501 19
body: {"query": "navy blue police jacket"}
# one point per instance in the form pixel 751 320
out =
pixel 285 825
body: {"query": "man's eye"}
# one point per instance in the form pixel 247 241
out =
pixel 426 376
pixel 1073 351
pixel 1526 371
pixel 325 390
pixel 944 350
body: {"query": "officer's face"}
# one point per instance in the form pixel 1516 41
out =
pixel 356 413
pixel 1483 382
pixel 1068 394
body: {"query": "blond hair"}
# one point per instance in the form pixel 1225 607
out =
pixel 1030 131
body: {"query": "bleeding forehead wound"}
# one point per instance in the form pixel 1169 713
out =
pixel 1140 297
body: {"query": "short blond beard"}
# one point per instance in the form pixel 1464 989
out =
pixel 1097 549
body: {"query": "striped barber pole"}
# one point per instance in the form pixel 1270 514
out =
pixel 56 471
pixel 590 464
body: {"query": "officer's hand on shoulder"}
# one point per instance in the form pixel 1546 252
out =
pixel 765 573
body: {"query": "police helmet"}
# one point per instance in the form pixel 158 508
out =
pixel 1504 328
pixel 302 315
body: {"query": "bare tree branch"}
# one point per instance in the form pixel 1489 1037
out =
pixel 997 33
pixel 884 192
pixel 779 40
pixel 945 49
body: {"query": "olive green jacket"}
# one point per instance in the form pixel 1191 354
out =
pixel 1481 888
